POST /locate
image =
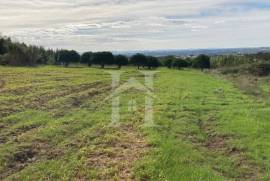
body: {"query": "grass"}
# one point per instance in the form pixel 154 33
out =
pixel 54 126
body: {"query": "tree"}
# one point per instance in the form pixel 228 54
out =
pixel 3 48
pixel 20 54
pixel 189 61
pixel 179 63
pixel 50 57
pixel 16 56
pixel 202 62
pixel 65 57
pixel 86 58
pixel 138 60
pixel 120 60
pixel 168 61
pixel 74 56
pixel 62 57
pixel 103 58
pixel 33 55
pixel 4 57
pixel 152 62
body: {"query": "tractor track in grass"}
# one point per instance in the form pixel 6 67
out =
pixel 41 100
pixel 125 150
pixel 118 154
pixel 78 95
pixel 26 155
pixel 38 150
pixel 219 144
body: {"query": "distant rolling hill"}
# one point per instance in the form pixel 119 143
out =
pixel 190 52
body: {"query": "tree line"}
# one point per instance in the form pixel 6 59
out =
pixel 20 54
pixel 65 57
pixel 199 62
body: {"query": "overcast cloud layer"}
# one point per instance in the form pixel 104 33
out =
pixel 137 24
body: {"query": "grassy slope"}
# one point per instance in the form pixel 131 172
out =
pixel 53 125
pixel 207 125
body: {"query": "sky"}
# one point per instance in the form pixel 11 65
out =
pixel 123 25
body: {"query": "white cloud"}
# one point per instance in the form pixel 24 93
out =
pixel 137 24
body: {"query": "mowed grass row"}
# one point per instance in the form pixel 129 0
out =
pixel 207 130
pixel 54 126
pixel 65 134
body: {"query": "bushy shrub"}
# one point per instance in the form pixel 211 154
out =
pixel 167 61
pixel 179 63
pixel 236 60
pixel 261 69
pixel 230 70
pixel 201 62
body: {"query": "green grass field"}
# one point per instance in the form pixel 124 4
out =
pixel 54 125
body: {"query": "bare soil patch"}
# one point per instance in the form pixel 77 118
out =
pixel 28 154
